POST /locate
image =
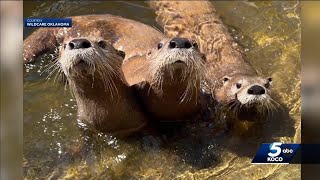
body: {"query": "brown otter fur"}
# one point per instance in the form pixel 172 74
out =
pixel 123 34
pixel 229 76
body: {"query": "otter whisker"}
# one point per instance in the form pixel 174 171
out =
pixel 237 108
pixel 142 68
pixel 108 82
pixel 234 106
pixel 271 107
pixel 59 74
pixel 56 68
pixel 111 66
pixel 276 103
pixel 186 93
pixel 48 67
pixel 106 70
pixel 233 103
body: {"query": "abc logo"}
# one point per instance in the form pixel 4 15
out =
pixel 287 151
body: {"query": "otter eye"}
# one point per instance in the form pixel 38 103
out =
pixel 121 54
pixel 160 45
pixel 225 79
pixel 102 44
pixel 238 85
pixel 267 85
pixel 195 45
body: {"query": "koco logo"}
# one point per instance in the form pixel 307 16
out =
pixel 275 150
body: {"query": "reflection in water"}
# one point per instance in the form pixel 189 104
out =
pixel 56 146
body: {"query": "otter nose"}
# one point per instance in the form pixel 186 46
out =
pixel 79 44
pixel 180 43
pixel 256 90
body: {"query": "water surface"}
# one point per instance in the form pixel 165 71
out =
pixel 270 34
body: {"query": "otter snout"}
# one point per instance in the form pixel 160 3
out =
pixel 79 44
pixel 175 58
pixel 256 90
pixel 180 43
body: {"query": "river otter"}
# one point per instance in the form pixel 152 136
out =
pixel 229 76
pixel 93 70
pixel 171 74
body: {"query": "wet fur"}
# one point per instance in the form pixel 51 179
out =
pixel 198 20
pixel 104 101
pixel 162 68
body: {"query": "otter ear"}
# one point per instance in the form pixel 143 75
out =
pixel 121 53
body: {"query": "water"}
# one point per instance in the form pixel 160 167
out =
pixel 270 34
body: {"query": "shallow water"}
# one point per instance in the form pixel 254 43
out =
pixel 270 34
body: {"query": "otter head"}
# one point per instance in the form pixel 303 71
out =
pixel 90 61
pixel 93 70
pixel 175 61
pixel 245 90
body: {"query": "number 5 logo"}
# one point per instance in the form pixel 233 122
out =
pixel 275 149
